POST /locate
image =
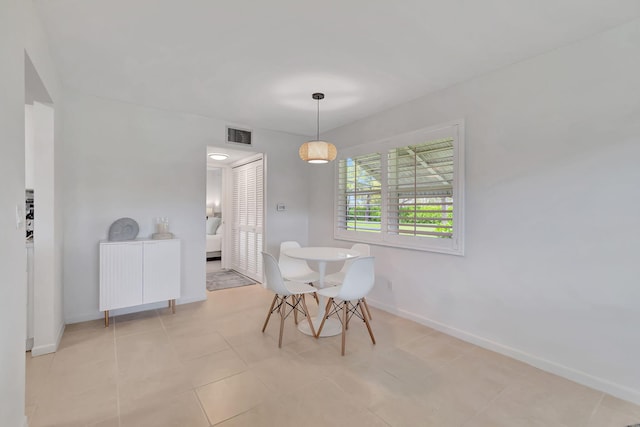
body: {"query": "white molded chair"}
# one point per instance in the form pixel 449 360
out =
pixel 295 269
pixel 336 278
pixel 358 282
pixel 284 289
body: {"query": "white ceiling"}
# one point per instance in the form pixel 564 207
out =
pixel 256 63
pixel 234 156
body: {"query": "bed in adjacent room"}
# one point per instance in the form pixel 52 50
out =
pixel 214 238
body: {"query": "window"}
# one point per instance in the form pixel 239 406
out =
pixel 359 208
pixel 406 191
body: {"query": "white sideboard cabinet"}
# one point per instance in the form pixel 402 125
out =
pixel 138 272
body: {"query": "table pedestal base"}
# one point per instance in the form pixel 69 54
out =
pixel 331 327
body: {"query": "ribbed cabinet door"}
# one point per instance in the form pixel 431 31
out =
pixel 161 270
pixel 120 275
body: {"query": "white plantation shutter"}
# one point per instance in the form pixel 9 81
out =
pixel 420 189
pixel 251 220
pixel 248 219
pixel 259 217
pixel 406 191
pixel 239 178
pixel 359 200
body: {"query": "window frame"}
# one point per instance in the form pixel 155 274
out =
pixel 453 245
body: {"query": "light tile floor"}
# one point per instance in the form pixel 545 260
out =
pixel 209 364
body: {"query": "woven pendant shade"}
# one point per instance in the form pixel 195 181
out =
pixel 317 152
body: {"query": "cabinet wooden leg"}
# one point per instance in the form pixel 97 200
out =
pixel 106 318
pixel 172 304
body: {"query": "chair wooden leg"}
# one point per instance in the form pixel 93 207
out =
pixel 366 321
pixel 346 326
pixel 345 314
pixel 306 312
pixel 366 306
pixel 282 315
pixel 295 299
pixel 315 297
pixel 273 303
pixel 326 310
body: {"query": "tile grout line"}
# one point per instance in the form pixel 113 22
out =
pixel 169 340
pixel 230 418
pixel 246 363
pixel 115 350
pixel 596 407
pixel 181 362
pixel 193 390
pixel 221 379
pixel 484 408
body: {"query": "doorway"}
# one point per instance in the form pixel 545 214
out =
pixel 42 333
pixel 228 246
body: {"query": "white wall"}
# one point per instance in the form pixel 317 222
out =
pixel 19 31
pixel 12 251
pixel 123 160
pixel 214 189
pixel 48 292
pixel 29 151
pixel 47 331
pixel 551 269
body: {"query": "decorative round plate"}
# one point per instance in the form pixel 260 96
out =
pixel 123 229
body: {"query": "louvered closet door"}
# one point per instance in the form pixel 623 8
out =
pixel 247 227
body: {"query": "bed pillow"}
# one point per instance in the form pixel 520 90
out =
pixel 220 229
pixel 212 225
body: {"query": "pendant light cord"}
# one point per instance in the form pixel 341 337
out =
pixel 318 122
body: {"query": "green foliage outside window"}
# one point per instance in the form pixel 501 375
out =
pixel 430 218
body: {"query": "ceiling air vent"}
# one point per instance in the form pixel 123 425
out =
pixel 238 136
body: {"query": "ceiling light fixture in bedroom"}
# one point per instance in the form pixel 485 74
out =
pixel 218 156
pixel 317 151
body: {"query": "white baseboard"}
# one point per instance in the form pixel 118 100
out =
pixel 579 377
pixel 78 318
pixel 50 347
pixel 135 309
pixel 191 299
pixel 60 333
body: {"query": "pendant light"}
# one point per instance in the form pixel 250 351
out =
pixel 317 151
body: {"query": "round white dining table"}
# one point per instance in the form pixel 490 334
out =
pixel 322 255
